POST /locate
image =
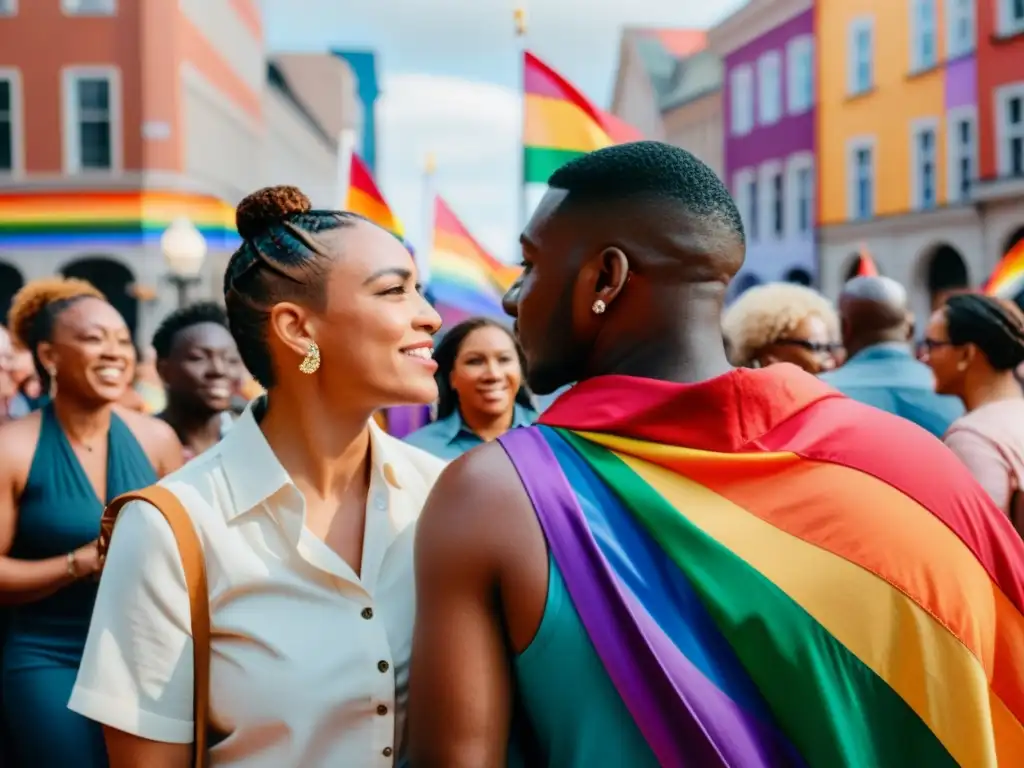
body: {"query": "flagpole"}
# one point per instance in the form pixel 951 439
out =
pixel 427 236
pixel 519 17
pixel 346 146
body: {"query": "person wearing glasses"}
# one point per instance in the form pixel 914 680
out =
pixel 974 343
pixel 881 370
pixel 782 323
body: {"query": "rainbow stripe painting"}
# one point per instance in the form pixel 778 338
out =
pixel 560 123
pixel 365 198
pixel 465 280
pixel 1007 280
pixel 769 582
pixel 93 219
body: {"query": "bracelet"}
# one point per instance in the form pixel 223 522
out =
pixel 72 565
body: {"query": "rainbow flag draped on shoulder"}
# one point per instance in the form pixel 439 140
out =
pixel 769 580
pixel 1007 280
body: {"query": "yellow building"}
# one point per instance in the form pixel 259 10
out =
pixel 897 142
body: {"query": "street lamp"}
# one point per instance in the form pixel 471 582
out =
pixel 184 248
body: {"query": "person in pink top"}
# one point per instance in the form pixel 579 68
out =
pixel 973 344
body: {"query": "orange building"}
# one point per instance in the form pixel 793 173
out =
pixel 130 114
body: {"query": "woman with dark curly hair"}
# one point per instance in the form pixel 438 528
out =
pixel 482 394
pixel 58 467
pixel 974 344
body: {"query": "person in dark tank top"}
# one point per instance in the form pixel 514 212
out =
pixel 59 467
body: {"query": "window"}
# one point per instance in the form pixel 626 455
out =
pixel 861 177
pixel 8 7
pixel 923 48
pixel 860 61
pixel 962 141
pixel 959 28
pixel 924 172
pixel 1011 17
pixel 800 194
pixel 773 187
pixel 745 192
pixel 800 74
pixel 769 88
pixel 1010 129
pixel 89 7
pixel 10 121
pixel 741 88
pixel 92 103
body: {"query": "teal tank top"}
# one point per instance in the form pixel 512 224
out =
pixel 577 718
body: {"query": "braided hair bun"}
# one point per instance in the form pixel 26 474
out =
pixel 995 326
pixel 266 207
pixel 36 296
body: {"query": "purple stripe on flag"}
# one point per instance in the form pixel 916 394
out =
pixel 684 717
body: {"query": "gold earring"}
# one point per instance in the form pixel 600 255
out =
pixel 311 362
pixel 598 307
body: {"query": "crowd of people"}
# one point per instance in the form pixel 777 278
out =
pixel 577 587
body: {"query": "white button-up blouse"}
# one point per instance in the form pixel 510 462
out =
pixel 309 662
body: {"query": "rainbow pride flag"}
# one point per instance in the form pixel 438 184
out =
pixel 866 266
pixel 560 123
pixel 1007 280
pixel 465 280
pixel 365 199
pixel 783 576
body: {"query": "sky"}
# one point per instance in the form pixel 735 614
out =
pixel 450 73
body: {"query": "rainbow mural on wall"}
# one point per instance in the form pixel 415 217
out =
pixel 121 219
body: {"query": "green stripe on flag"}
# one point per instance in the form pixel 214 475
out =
pixel 836 711
pixel 539 163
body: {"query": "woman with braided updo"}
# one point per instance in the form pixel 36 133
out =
pixel 973 345
pixel 58 467
pixel 305 509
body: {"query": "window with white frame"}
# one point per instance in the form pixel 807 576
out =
pixel 89 7
pixel 1011 17
pixel 92 103
pixel 769 88
pixel 741 88
pixel 860 63
pixel 745 192
pixel 962 146
pixel 1010 129
pixel 923 35
pixel 10 117
pixel 861 178
pixel 800 194
pixel 960 34
pixel 800 74
pixel 8 7
pixel 924 173
pixel 773 204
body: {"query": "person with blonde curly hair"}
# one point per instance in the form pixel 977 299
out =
pixel 782 323
pixel 59 465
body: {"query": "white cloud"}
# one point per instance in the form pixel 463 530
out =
pixel 473 130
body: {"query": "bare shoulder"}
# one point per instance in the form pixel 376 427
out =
pixel 18 441
pixel 157 439
pixel 477 506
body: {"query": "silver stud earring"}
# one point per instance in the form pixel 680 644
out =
pixel 598 307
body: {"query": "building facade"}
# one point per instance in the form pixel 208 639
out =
pixel 131 115
pixel 999 192
pixel 768 100
pixel 668 86
pixel 912 122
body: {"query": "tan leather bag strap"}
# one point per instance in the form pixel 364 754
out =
pixel 192 560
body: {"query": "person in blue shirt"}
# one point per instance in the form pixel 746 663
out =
pixel 481 390
pixel 880 370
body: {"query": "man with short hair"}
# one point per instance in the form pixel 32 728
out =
pixel 880 370
pixel 689 565
pixel 199 364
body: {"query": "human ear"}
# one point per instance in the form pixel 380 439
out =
pixel 290 324
pixel 612 276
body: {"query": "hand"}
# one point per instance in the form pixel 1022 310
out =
pixel 87 560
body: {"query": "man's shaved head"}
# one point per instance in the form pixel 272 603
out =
pixel 874 310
